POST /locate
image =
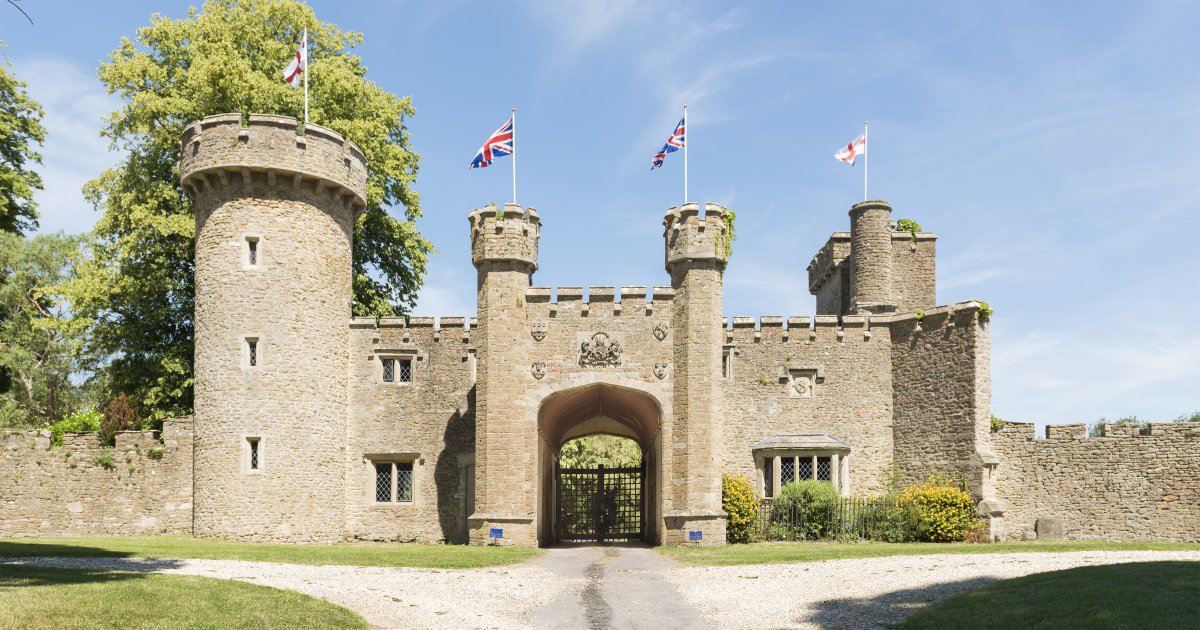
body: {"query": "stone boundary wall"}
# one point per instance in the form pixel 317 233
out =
pixel 63 490
pixel 1129 484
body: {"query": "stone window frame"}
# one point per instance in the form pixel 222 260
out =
pixel 728 352
pixel 405 354
pixel 257 239
pixel 248 445
pixel 839 461
pixel 371 460
pixel 255 339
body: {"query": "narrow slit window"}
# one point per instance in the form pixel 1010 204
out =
pixel 389 370
pixel 252 352
pixel 726 365
pixel 252 251
pixel 383 483
pixel 253 443
pixel 406 371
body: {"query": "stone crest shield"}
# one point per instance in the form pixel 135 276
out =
pixel 539 330
pixel 660 331
pixel 538 369
pixel 600 351
pixel 660 370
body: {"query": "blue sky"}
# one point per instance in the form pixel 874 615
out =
pixel 1052 146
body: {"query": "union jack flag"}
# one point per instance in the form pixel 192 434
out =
pixel 674 143
pixel 498 144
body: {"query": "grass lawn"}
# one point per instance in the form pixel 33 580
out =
pixel 67 599
pixel 774 553
pixel 358 554
pixel 1157 595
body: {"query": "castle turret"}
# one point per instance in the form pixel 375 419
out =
pixel 696 253
pixel 504 249
pixel 275 216
pixel 871 247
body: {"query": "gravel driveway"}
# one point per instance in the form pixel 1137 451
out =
pixel 861 593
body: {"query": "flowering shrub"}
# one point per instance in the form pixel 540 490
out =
pixel 738 499
pixel 944 512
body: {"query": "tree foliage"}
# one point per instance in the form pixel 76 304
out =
pixel 20 128
pixel 40 343
pixel 609 451
pixel 227 56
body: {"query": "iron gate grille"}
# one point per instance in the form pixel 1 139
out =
pixel 599 504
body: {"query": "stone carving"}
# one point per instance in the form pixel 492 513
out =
pixel 538 369
pixel 660 331
pixel 660 371
pixel 600 351
pixel 539 330
pixel 801 383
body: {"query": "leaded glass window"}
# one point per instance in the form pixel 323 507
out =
pixel 383 483
pixel 253 243
pixel 406 371
pixel 824 469
pixel 787 470
pixel 768 477
pixel 805 471
pixel 252 347
pixel 389 370
pixel 253 453
pixel 404 482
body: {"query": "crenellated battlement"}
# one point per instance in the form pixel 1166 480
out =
pixel 508 234
pixel 1075 433
pixel 218 150
pixel 603 300
pixel 690 237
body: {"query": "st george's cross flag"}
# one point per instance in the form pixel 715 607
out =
pixel 676 141
pixel 850 152
pixel 295 68
pixel 500 143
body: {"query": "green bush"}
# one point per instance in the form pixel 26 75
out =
pixel 739 500
pixel 155 453
pixel 804 509
pixel 82 421
pixel 908 225
pixel 944 511
pixel 105 461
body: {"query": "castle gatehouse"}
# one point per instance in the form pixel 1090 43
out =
pixel 313 426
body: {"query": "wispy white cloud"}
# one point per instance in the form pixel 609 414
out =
pixel 444 293
pixel 74 152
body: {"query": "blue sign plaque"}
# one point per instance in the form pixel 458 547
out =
pixel 496 532
pixel 696 535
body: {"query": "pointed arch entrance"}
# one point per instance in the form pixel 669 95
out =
pixel 599 408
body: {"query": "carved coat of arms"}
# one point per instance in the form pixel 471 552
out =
pixel 660 371
pixel 539 330
pixel 660 331
pixel 538 369
pixel 600 351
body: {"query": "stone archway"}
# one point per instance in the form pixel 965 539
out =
pixel 591 409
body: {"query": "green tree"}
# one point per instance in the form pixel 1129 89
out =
pixel 40 343
pixel 609 451
pixel 20 128
pixel 227 56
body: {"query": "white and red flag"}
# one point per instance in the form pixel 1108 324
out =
pixel 850 152
pixel 295 68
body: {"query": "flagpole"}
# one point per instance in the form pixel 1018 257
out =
pixel 304 70
pixel 514 154
pixel 686 133
pixel 866 160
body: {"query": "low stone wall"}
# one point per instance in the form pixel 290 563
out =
pixel 1130 484
pixel 69 490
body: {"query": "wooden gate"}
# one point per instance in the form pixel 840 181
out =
pixel 599 504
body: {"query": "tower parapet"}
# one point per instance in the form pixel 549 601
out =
pixel 275 218
pixel 508 235
pixel 691 238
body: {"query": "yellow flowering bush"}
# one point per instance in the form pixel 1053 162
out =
pixel 739 500
pixel 944 511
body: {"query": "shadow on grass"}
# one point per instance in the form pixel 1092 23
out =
pixel 38 564
pixel 34 549
pixel 887 610
pixel 18 576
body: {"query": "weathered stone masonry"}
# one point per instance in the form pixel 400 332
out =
pixel 312 426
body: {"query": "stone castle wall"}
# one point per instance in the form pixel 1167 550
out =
pixel 430 421
pixel 851 370
pixel 942 394
pixel 62 491
pixel 1125 485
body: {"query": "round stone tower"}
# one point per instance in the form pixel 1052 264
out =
pixel 275 216
pixel 871 247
